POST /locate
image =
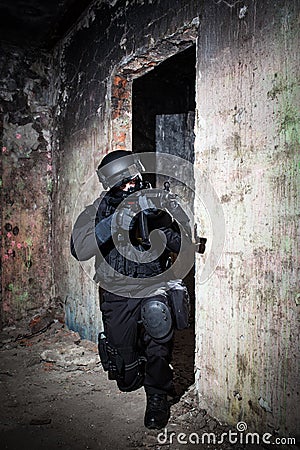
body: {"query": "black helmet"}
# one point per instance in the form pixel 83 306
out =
pixel 117 167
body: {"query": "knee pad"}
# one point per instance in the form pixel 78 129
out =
pixel 157 319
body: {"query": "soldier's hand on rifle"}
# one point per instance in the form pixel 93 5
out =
pixel 175 209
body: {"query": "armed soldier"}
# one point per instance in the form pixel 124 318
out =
pixel 140 307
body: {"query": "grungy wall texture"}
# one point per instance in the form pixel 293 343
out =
pixel 247 138
pixel 247 144
pixel 26 182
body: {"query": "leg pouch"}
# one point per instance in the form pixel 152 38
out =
pixel 108 357
pixel 124 365
pixel 180 304
pixel 102 350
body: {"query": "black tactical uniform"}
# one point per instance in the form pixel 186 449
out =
pixel 135 347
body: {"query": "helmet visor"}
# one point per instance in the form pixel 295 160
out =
pixel 114 173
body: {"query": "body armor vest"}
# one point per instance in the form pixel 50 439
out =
pixel 115 260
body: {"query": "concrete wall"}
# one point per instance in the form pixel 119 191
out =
pixel 248 146
pixel 26 183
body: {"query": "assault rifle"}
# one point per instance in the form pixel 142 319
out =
pixel 165 208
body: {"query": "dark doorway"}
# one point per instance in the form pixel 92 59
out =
pixel 168 89
pixel 163 120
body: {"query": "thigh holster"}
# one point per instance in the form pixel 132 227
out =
pixel 124 364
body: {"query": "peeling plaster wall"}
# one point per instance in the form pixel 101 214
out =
pixel 248 146
pixel 26 184
pixel 246 142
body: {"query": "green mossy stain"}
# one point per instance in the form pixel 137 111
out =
pixel 286 91
pixel 49 185
pixel 18 295
pixel 287 244
pixel 28 241
pixel 280 86
pixel 11 287
pixel 23 297
pixel 289 124
pixel 20 186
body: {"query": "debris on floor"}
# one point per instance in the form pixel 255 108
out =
pixel 55 395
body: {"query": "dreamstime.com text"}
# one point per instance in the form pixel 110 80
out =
pixel 239 436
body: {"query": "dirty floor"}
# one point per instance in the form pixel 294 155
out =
pixel 55 395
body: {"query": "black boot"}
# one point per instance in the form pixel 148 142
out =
pixel 157 411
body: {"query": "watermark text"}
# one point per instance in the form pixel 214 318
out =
pixel 238 436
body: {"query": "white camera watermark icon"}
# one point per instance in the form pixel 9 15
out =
pixel 232 437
